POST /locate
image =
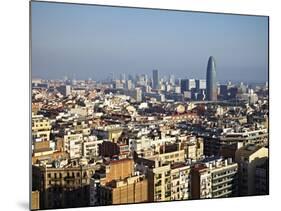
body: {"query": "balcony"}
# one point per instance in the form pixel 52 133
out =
pixel 223 181
pixel 223 194
pixel 159 188
pixel 225 175
pixel 222 188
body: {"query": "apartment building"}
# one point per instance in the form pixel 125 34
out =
pixel 62 186
pixel 248 158
pixel 110 132
pixel 40 128
pixel 91 148
pixel 258 137
pixel 73 145
pixel 194 148
pixel 224 178
pixel 214 178
pixel 201 182
pixel 117 183
pixel 180 181
pixel 159 183
pixel 130 190
pixel 172 157
pixel 214 145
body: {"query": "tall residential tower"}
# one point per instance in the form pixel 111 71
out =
pixel 211 80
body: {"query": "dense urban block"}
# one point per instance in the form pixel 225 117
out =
pixel 147 138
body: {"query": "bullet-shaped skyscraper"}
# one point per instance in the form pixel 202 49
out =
pixel 211 78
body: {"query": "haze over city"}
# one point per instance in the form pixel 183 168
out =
pixel 85 41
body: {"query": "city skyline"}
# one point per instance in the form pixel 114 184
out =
pixel 132 46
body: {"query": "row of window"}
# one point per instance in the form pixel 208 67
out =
pixel 68 174
pixel 171 156
pixel 40 125
pixel 225 173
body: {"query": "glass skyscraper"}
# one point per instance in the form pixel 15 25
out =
pixel 211 80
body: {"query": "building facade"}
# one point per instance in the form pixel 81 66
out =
pixel 249 158
pixel 155 79
pixel 214 178
pixel 62 187
pixel 211 80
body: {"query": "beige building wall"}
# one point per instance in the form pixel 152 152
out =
pixel 40 123
pixel 248 158
pixel 119 169
pixel 159 183
pixel 180 183
pixel 172 157
pixel 114 135
pixel 195 149
pixel 41 145
pixel 131 193
pixel 70 180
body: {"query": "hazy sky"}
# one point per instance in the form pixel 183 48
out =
pixel 88 41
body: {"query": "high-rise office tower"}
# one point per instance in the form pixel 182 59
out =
pixel 224 91
pixel 200 84
pixel 191 84
pixel 187 85
pixel 172 79
pixel 155 79
pixel 183 84
pixel 211 80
